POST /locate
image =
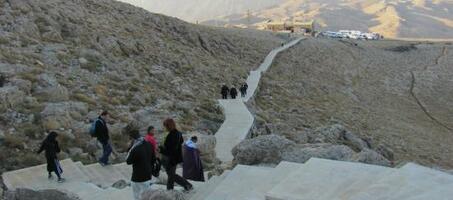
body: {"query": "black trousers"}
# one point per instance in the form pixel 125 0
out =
pixel 173 177
pixel 224 96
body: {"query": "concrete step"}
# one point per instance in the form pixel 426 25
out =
pixel 82 189
pixel 441 193
pixel 124 169
pixel 408 182
pixel 36 177
pixel 283 170
pixel 323 179
pixel 210 186
pixel 114 194
pixel 104 176
pixel 82 168
pixel 243 182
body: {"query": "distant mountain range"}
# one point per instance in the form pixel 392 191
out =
pixel 392 18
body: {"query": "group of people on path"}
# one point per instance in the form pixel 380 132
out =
pixel 225 91
pixel 144 154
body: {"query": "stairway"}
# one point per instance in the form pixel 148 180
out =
pixel 320 179
pixel 89 182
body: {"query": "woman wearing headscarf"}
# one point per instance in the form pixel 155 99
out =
pixel 192 167
pixel 51 148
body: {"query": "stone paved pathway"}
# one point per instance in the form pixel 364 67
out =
pixel 238 119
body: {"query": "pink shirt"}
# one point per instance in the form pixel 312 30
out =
pixel 149 138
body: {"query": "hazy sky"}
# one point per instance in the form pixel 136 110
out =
pixel 193 10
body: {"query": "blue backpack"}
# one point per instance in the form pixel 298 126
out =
pixel 92 130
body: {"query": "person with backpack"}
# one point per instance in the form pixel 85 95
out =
pixel 192 167
pixel 224 91
pixel 51 148
pixel 101 132
pixel 171 153
pixel 142 158
pixel 233 93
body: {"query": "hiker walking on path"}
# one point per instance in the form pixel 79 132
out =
pixel 172 155
pixel 51 148
pixel 151 139
pixel 142 158
pixel 225 90
pixel 102 134
pixel 192 166
pixel 243 89
pixel 233 93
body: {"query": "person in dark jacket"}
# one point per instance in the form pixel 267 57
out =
pixel 141 156
pixel 192 167
pixel 102 134
pixel 243 90
pixel 233 93
pixel 172 155
pixel 51 148
pixel 224 91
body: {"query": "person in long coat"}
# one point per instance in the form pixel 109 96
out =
pixel 192 166
pixel 224 91
pixel 233 93
pixel 171 153
pixel 51 148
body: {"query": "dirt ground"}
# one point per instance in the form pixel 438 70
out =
pixel 396 93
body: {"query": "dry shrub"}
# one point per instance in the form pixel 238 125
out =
pixel 14 141
pixel 84 98
pixel 30 159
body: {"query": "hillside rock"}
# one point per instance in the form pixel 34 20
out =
pixel 371 157
pixel 327 151
pixel 272 149
pixel 153 194
pixel 27 194
pixel 66 60
pixel 262 149
pixel 392 102
pixel 10 97
pixel 60 115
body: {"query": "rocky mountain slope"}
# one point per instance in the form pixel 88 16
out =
pixel 393 94
pixel 392 18
pixel 62 61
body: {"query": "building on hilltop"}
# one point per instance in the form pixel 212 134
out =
pixel 291 26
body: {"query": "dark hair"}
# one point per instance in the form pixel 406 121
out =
pixel 194 138
pixel 104 113
pixel 150 128
pixel 134 134
pixel 170 124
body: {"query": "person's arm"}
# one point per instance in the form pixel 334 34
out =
pixel 57 147
pixel 131 157
pixel 98 127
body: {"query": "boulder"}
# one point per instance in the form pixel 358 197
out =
pixel 27 194
pixel 10 97
pixel 153 194
pixel 120 184
pixel 337 134
pixel 24 85
pixel 371 157
pixel 75 151
pixel 326 151
pixel 262 149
